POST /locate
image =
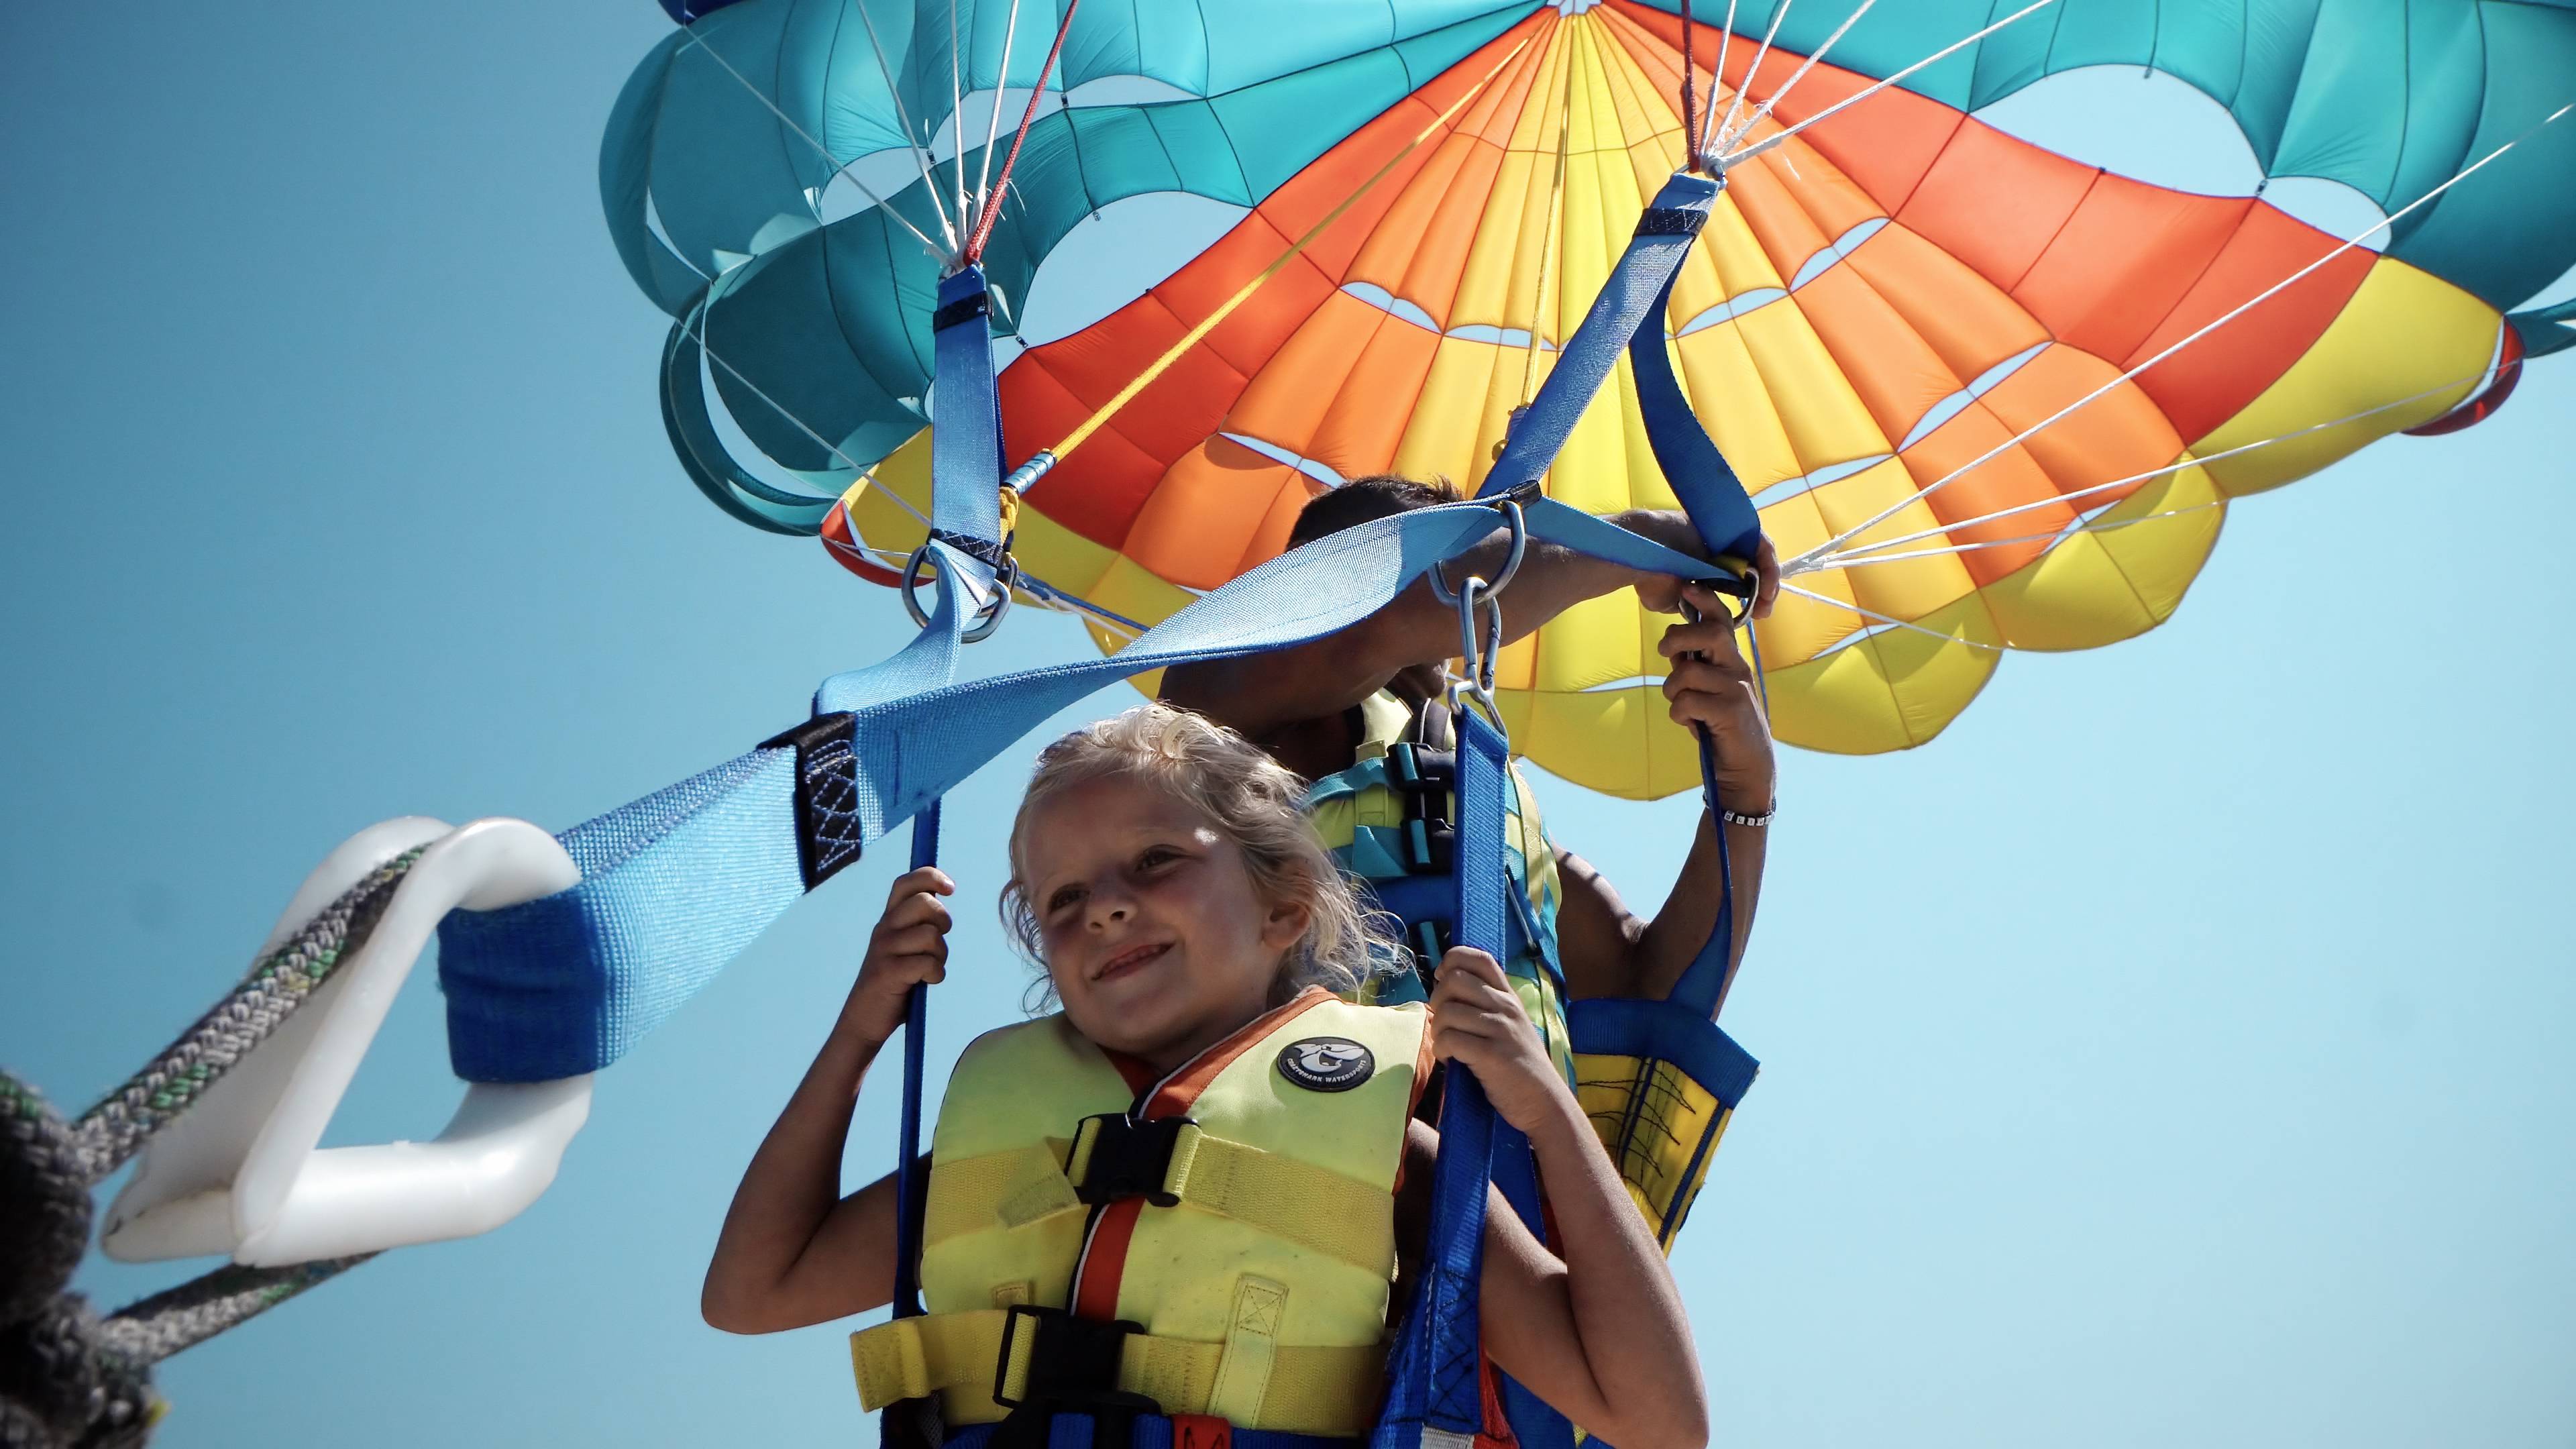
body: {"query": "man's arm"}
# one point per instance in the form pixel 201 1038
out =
pixel 1262 694
pixel 1607 950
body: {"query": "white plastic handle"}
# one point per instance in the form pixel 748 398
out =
pixel 239 1172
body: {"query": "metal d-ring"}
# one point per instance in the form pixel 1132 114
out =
pixel 1511 511
pixel 991 615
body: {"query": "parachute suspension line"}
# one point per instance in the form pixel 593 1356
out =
pixel 1928 489
pixel 1690 86
pixel 1547 244
pixel 957 110
pixel 1763 111
pixel 699 332
pixel 1874 87
pixel 2050 539
pixel 903 118
pixel 993 112
pixel 990 210
pixel 1697 141
pixel 1735 105
pixel 1863 553
pixel 840 169
pixel 1891 620
pixel 1242 294
pixel 1045 593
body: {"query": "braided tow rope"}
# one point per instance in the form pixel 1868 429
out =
pixel 68 1378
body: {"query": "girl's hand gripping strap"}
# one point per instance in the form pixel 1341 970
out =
pixel 1435 1389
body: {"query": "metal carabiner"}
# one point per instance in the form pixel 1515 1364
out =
pixel 1477 602
pixel 991 614
pixel 1511 511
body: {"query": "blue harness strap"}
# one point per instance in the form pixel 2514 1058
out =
pixel 1628 314
pixel 678 883
pixel 1434 1379
pixel 911 1184
pixel 1435 1383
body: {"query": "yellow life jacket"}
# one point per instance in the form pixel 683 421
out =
pixel 1220 1241
pixel 1389 820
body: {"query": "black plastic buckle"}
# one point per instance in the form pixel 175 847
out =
pixel 1429 846
pixel 1073 1362
pixel 1418 769
pixel 1130 1159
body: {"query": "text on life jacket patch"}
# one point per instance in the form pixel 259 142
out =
pixel 1326 1063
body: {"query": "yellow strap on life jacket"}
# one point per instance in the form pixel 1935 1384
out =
pixel 1315 1207
pixel 1014 1188
pixel 1328 1391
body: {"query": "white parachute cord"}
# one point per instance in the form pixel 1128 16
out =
pixel 699 332
pixel 2051 539
pixel 904 117
pixel 1927 490
pixel 1767 142
pixel 957 113
pixel 1716 77
pixel 1763 112
pixel 993 114
pixel 1861 552
pixel 1735 106
pixel 1878 618
pixel 840 169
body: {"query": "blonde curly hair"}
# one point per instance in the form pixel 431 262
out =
pixel 1253 800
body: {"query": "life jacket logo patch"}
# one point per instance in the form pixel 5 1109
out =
pixel 1326 1063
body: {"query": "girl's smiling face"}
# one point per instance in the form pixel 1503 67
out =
pixel 1157 941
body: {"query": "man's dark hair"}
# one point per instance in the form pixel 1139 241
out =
pixel 1365 500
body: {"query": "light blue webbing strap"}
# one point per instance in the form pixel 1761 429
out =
pixel 676 884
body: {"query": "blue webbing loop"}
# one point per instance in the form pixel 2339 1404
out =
pixel 1700 477
pixel 1628 314
pixel 966 429
pixel 911 1201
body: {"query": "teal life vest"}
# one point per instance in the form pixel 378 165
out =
pixel 1390 820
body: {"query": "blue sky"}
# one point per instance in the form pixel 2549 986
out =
pixel 2174 1051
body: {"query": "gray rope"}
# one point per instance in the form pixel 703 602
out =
pixel 278 983
pixel 69 1380
pixel 183 1317
pixel 62 1386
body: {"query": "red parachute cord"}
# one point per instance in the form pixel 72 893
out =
pixel 1690 93
pixel 974 251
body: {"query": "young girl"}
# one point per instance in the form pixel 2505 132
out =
pixel 1189 1192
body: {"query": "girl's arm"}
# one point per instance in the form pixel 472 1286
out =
pixel 1599 1333
pixel 793 1250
